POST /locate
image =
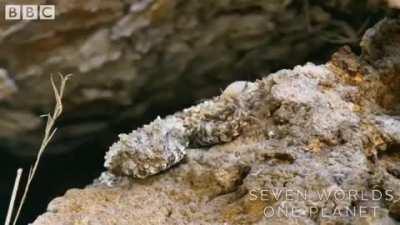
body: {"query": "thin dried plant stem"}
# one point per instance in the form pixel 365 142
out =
pixel 13 196
pixel 48 135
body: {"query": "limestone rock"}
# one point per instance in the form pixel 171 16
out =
pixel 129 57
pixel 313 128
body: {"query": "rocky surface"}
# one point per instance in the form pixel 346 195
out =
pixel 315 128
pixel 132 58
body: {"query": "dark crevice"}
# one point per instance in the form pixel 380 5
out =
pixel 279 157
pixel 390 159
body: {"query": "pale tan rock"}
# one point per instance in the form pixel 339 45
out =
pixel 120 51
pixel 312 129
pixel 394 3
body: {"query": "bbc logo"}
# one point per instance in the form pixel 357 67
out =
pixel 30 12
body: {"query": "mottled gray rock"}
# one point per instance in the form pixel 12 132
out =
pixel 313 129
pixel 129 57
pixel 389 126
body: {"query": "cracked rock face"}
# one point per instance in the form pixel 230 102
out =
pixel 131 56
pixel 315 128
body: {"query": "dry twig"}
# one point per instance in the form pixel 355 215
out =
pixel 48 136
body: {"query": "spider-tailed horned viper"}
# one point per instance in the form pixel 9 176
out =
pixel 163 143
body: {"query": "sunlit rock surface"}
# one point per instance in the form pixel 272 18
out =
pixel 133 57
pixel 331 127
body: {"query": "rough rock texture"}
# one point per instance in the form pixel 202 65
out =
pixel 170 51
pixel 313 128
